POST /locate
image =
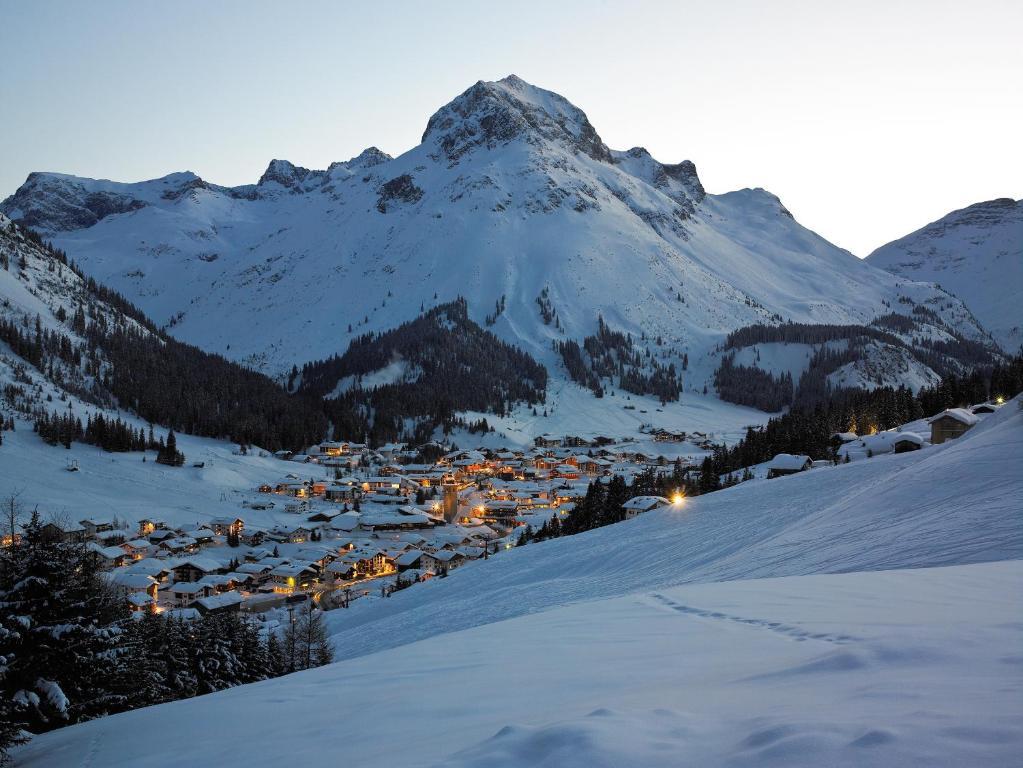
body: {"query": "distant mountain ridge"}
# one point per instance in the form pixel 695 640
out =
pixel 511 196
pixel 975 253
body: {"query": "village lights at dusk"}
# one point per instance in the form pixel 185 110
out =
pixel 519 407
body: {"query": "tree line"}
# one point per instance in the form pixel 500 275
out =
pixel 451 365
pixel 121 359
pixel 808 430
pixel 610 354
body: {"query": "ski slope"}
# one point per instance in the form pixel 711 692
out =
pixel 864 614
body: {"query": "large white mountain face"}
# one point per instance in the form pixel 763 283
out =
pixel 975 253
pixel 511 192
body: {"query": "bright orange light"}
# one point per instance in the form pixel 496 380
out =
pixel 678 498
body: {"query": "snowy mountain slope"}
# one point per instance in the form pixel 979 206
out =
pixel 867 669
pixel 950 504
pixel 510 192
pixel 40 294
pixel 599 649
pixel 975 253
pixel 884 366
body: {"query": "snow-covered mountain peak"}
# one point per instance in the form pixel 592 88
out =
pixel 512 201
pixel 492 114
pixel 366 159
pixel 975 253
pixel 57 202
pixel 290 176
pixel 680 182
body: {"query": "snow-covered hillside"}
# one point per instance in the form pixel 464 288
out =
pixel 975 253
pixel 956 504
pixel 511 192
pixel 670 638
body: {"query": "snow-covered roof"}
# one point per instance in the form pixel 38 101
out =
pixel 961 415
pixel 189 587
pixel 204 564
pixel 645 502
pixel 789 461
pixel 407 558
pixel 131 580
pixel 224 600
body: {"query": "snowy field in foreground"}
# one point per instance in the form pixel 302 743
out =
pixel 894 668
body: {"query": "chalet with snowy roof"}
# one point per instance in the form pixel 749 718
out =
pixel 93 526
pixel 441 560
pixel 950 424
pixel 108 557
pixel 139 602
pixel 667 436
pixel 340 569
pixel 110 538
pixel 203 536
pixel 183 594
pixel 194 569
pixel 368 561
pixel 179 545
pixel 72 533
pixel 984 409
pixel 148 526
pixel 403 519
pixel 136 549
pixel 409 559
pixel 841 438
pixel 381 484
pixel 342 493
pixel 323 516
pixel 223 603
pixel 637 505
pixel 225 526
pixel 151 566
pixel 907 441
pixel 332 448
pixel 788 464
pixel 291 577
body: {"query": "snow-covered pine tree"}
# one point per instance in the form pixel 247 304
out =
pixel 313 648
pixel 275 662
pixel 60 622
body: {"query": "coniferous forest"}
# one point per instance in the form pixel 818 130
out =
pixel 70 651
pixel 838 345
pixel 808 429
pixel 448 364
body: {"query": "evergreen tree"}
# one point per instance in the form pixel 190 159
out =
pixel 276 664
pixel 312 648
pixel 60 629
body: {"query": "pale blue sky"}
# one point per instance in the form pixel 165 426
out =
pixel 867 119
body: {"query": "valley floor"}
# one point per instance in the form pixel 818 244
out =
pixel 918 667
